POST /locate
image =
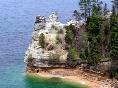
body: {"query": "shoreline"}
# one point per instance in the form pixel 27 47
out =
pixel 76 76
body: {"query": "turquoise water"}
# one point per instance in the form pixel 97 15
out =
pixel 34 82
pixel 16 23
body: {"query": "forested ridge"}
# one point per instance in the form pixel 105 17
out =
pixel 95 41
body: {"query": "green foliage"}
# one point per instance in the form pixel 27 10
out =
pixel 114 34
pixel 72 57
pixel 85 7
pixel 84 54
pixel 105 10
pixel 69 37
pixel 92 56
pixel 70 31
pixel 93 53
pixel 54 59
pixel 106 36
pixel 115 7
pixel 30 59
pixel 94 25
pixel 77 15
pixel 42 40
pixel 89 8
pixel 102 33
pixel 96 10
pixel 72 54
pixel 114 73
pixel 114 38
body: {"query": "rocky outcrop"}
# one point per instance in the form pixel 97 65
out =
pixel 54 32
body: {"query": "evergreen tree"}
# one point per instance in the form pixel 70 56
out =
pixel 115 7
pixel 30 60
pixel 93 28
pixel 105 10
pixel 106 38
pixel 72 57
pixel 114 39
pixel 77 15
pixel 114 31
pixel 97 9
pixel 87 8
pixel 94 52
pixel 84 54
pixel 42 40
pixel 70 33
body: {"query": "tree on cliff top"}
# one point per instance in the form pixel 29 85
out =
pixel 89 8
pixel 69 34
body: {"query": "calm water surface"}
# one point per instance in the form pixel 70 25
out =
pixel 16 22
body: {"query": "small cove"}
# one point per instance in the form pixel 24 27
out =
pixel 51 82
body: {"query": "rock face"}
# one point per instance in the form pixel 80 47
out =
pixel 54 32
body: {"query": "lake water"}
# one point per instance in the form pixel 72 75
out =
pixel 16 23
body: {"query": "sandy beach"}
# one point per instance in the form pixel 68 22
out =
pixel 77 76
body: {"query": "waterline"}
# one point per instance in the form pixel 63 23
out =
pixel 50 82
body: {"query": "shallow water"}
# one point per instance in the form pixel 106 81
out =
pixel 16 23
pixel 35 82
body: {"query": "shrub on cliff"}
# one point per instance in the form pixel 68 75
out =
pixel 42 40
pixel 54 59
pixel 30 59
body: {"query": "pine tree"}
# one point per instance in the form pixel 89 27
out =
pixel 85 7
pixel 105 10
pixel 72 57
pixel 94 38
pixel 97 9
pixel 77 15
pixel 70 34
pixel 114 39
pixel 114 30
pixel 115 7
pixel 88 7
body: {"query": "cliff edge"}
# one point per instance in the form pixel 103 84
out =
pixel 47 48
